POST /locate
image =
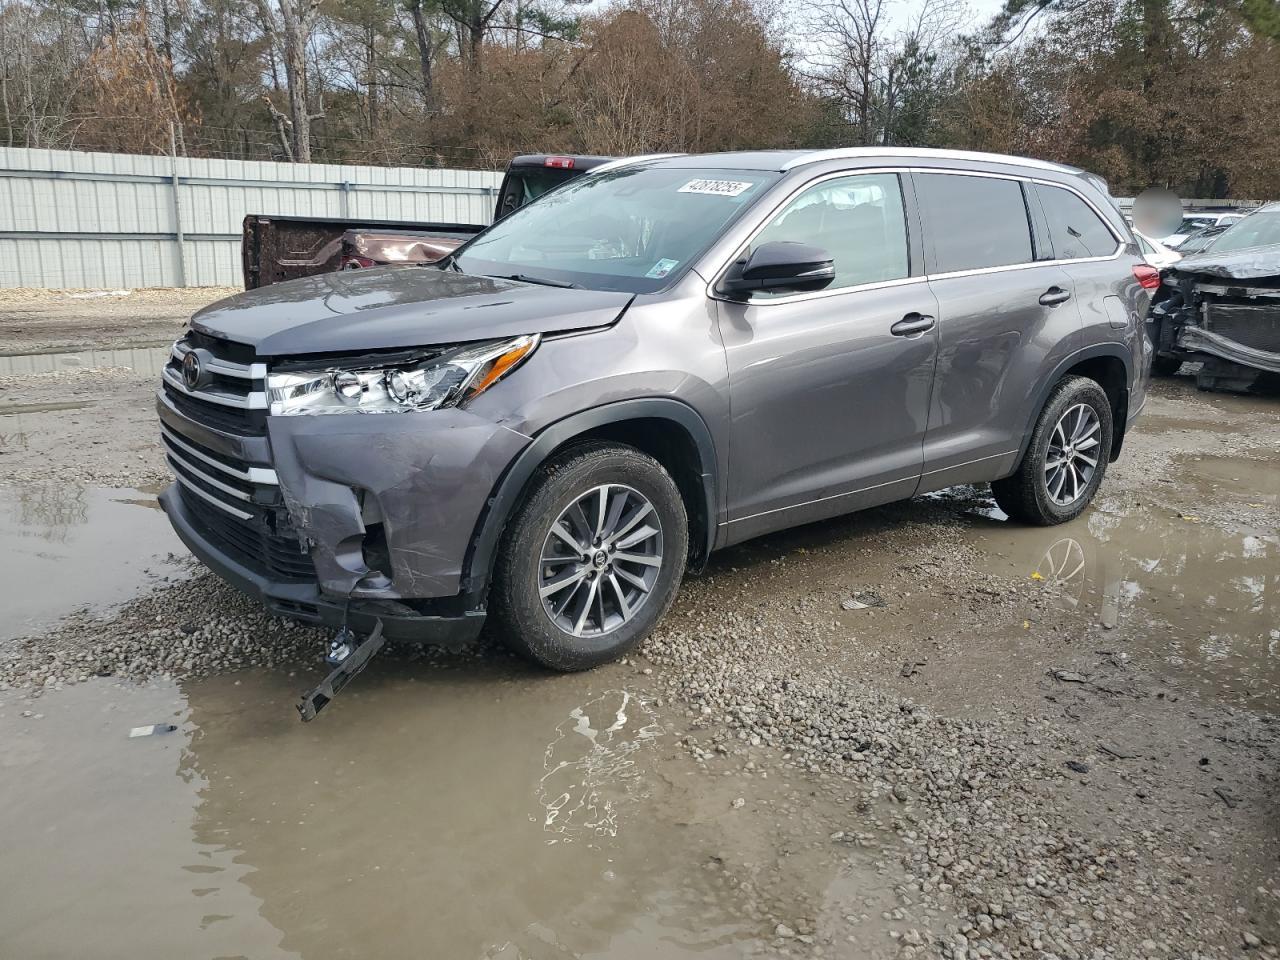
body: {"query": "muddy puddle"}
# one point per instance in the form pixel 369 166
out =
pixel 478 812
pixel 65 547
pixel 1200 602
pixel 144 358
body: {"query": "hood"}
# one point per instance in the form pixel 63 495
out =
pixel 399 307
pixel 1251 263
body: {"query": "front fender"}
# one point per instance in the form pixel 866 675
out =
pixel 506 494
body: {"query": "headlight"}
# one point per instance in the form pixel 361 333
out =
pixel 444 381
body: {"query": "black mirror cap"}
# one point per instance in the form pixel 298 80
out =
pixel 781 265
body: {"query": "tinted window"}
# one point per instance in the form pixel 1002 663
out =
pixel 1075 230
pixel 974 222
pixel 858 219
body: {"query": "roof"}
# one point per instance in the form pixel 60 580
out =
pixel 783 160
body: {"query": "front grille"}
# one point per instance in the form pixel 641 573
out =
pixel 235 504
pixel 245 423
pixel 231 394
pixel 1248 324
pixel 262 542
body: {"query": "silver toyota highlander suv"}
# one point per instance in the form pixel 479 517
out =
pixel 652 362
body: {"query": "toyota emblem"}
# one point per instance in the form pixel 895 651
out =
pixel 191 370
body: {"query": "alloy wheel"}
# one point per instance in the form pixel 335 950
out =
pixel 1072 458
pixel 600 560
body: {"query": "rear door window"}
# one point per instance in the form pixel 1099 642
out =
pixel 973 223
pixel 1075 229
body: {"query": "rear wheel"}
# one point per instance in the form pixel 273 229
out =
pixel 1066 459
pixel 593 557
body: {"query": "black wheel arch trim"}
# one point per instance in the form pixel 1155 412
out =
pixel 1116 350
pixel 478 566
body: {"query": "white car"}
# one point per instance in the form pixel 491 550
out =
pixel 1198 221
pixel 1155 252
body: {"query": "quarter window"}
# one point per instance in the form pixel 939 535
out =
pixel 1074 229
pixel 974 222
pixel 858 220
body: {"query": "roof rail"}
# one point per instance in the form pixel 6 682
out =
pixel 854 153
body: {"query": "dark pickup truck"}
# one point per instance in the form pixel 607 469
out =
pixel 285 248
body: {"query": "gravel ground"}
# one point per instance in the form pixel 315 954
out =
pixel 1045 792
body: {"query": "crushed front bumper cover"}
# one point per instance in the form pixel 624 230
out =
pixel 305 601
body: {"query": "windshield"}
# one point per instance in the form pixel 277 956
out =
pixel 1190 224
pixel 1255 230
pixel 632 228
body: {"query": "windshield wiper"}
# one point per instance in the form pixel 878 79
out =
pixel 542 281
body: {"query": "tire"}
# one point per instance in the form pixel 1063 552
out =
pixel 1029 495
pixel 575 637
pixel 1165 366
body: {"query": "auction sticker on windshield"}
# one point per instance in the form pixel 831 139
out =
pixel 719 188
pixel 661 269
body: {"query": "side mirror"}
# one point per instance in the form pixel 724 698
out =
pixel 780 265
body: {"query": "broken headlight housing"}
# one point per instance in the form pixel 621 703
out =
pixel 443 381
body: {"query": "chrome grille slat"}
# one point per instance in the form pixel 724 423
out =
pixel 210 498
pixel 225 368
pixel 176 461
pixel 253 400
pixel 261 475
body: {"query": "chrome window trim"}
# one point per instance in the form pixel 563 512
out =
pixel 256 400
pixel 187 484
pixel 718 274
pixel 260 475
pixel 175 461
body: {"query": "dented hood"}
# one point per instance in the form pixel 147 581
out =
pixel 1251 263
pixel 399 307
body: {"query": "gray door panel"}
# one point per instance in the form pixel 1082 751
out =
pixel 828 408
pixel 996 343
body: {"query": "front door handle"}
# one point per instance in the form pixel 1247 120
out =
pixel 912 324
pixel 1054 296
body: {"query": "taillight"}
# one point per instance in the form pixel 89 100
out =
pixel 1148 276
pixel 353 262
pixel 560 163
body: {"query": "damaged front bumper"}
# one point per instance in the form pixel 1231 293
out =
pixel 306 601
pixel 1222 309
pixel 340 519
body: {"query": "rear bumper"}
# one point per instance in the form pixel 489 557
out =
pixel 306 602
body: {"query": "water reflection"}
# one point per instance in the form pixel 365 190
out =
pixel 415 820
pixel 1200 599
pixel 591 768
pixel 65 546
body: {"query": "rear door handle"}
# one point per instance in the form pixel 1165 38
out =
pixel 912 324
pixel 1054 296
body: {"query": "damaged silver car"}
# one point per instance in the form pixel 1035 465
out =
pixel 1222 308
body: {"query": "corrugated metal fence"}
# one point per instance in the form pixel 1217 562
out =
pixel 71 219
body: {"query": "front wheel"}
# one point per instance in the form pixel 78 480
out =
pixel 1066 459
pixel 593 557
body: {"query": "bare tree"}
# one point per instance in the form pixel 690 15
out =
pixel 289 28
